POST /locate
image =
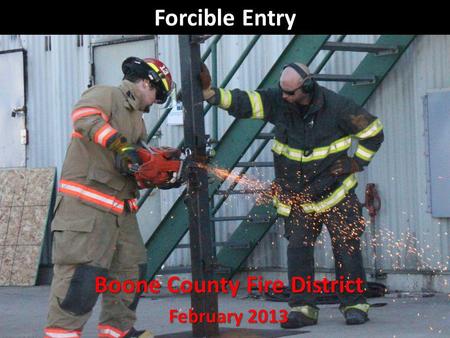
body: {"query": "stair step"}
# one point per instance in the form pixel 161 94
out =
pixel 356 80
pixel 361 47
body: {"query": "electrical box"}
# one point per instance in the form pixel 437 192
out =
pixel 437 115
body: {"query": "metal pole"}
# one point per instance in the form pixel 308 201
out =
pixel 214 133
pixel 202 258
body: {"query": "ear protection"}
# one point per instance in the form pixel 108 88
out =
pixel 308 81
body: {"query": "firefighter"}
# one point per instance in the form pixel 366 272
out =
pixel 95 230
pixel 314 176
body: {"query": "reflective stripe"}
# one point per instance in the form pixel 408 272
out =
pixel 317 153
pixel 91 195
pixel 76 134
pixel 225 98
pixel 103 134
pixel 321 206
pixel 282 209
pixel 166 84
pixel 337 196
pixel 257 105
pixel 307 310
pixel 363 307
pixel 364 153
pixel 60 333
pixel 374 128
pixel 86 111
pixel 160 74
pixel 110 332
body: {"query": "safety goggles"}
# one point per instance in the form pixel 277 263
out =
pixel 288 92
pixel 167 99
pixel 161 95
pixel 162 92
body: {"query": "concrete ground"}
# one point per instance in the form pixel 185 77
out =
pixel 23 313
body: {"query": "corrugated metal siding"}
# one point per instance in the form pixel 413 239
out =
pixel 393 102
pixel 410 238
pixel 56 79
pixel 400 167
pixel 9 42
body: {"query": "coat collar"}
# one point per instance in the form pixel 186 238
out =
pixel 129 90
pixel 317 101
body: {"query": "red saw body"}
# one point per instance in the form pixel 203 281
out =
pixel 159 166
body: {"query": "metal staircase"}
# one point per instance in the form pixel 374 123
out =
pixel 359 85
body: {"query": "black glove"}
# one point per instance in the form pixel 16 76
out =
pixel 345 166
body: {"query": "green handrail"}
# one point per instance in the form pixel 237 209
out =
pixel 211 46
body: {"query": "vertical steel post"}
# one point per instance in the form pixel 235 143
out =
pixel 215 131
pixel 202 257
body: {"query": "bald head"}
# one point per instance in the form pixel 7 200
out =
pixel 291 80
pixel 291 76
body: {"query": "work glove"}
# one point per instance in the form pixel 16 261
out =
pixel 127 158
pixel 345 166
pixel 205 80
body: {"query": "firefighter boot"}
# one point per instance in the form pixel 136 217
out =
pixel 355 314
pixel 301 316
pixel 133 333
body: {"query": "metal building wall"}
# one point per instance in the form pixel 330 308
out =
pixel 57 78
pixel 412 238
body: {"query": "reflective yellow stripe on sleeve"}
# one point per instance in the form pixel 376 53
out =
pixel 225 98
pixel 257 105
pixel 372 129
pixel 364 153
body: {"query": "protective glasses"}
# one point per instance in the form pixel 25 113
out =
pixel 289 92
pixel 168 98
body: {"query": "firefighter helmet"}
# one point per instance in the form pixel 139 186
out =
pixel 152 69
